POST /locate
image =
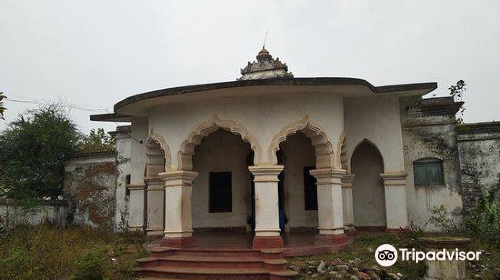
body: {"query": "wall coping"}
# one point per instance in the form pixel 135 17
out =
pixel 40 202
pixel 101 154
pixel 480 127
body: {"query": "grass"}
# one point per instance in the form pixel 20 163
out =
pixel 62 253
pixel 71 253
pixel 365 244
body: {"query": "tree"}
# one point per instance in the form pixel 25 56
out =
pixel 34 149
pixel 2 108
pixel 457 92
pixel 97 141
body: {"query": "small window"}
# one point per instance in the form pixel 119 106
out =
pixel 127 182
pixel 310 190
pixel 221 198
pixel 428 172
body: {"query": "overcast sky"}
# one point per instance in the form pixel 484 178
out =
pixel 92 54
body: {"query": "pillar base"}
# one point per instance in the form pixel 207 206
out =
pixel 398 230
pixel 267 242
pixel 178 242
pixel 349 228
pixel 154 234
pixel 330 239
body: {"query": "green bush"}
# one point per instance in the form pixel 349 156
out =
pixel 483 221
pixel 91 266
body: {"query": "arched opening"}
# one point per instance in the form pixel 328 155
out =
pixel 368 190
pixel 221 199
pixel 297 190
pixel 155 157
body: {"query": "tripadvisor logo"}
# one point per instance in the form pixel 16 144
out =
pixel 387 255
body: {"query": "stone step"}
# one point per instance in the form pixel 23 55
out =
pixel 226 252
pixel 202 261
pixel 213 262
pixel 204 273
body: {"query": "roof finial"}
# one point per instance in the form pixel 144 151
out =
pixel 265 38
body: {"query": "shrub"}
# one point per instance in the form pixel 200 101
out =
pixel 91 266
pixel 483 221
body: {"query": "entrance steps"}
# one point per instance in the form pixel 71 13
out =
pixel 197 264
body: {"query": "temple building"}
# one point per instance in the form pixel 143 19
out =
pixel 271 155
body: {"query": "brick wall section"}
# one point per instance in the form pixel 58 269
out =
pixel 90 188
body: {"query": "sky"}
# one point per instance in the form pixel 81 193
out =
pixel 91 54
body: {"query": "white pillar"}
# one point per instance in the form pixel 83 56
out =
pixel 395 201
pixel 136 207
pixel 267 228
pixel 330 214
pixel 178 218
pixel 155 207
pixel 347 202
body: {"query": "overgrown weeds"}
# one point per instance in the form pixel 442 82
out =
pixel 46 252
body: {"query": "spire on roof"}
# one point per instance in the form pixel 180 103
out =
pixel 265 68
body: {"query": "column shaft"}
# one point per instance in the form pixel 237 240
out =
pixel 395 201
pixel 330 214
pixel 178 214
pixel 267 230
pixel 136 207
pixel 347 201
pixel 155 207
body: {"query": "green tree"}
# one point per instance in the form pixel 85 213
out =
pixel 457 92
pixel 97 141
pixel 2 108
pixel 34 149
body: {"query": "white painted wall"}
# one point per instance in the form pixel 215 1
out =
pixel 221 151
pixel 376 119
pixel 139 132
pixel 262 116
pixel 298 153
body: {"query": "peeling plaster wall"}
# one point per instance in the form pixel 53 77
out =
pixel 90 188
pixel 53 211
pixel 479 146
pixel 431 135
pixel 123 168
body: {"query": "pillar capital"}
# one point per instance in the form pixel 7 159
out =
pixel 154 184
pixel 394 178
pixel 347 180
pixel 326 176
pixel 266 173
pixel 178 177
pixel 136 187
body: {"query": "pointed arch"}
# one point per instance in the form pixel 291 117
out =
pixel 368 142
pixel 163 145
pixel 186 151
pixel 368 191
pixel 323 147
